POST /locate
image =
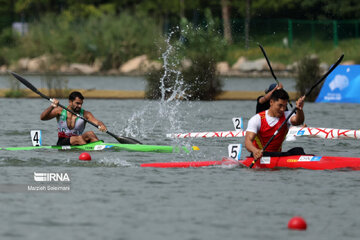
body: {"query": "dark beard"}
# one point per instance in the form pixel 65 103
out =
pixel 77 110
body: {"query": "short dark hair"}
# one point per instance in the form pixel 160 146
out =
pixel 279 94
pixel 74 95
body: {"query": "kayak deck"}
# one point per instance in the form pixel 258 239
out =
pixel 305 161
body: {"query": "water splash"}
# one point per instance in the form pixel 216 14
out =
pixel 171 61
pixel 156 118
pixel 114 162
pixel 165 116
pixel 136 124
pixel 168 106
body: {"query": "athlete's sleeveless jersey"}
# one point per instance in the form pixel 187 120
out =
pixel 63 129
pixel 266 132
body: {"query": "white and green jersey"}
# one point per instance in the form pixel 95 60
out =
pixel 63 129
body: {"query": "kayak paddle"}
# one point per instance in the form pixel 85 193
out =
pixel 271 70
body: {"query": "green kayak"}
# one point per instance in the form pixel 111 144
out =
pixel 100 145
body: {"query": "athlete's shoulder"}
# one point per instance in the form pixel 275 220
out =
pixel 254 124
pixel 255 118
pixel 86 114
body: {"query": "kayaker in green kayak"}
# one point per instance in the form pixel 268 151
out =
pixel 70 127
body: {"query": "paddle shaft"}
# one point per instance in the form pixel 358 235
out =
pixel 79 116
pixel 294 109
pixel 271 70
pixel 34 89
pixel 268 62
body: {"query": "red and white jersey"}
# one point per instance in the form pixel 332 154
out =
pixel 265 126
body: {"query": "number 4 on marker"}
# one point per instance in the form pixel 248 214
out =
pixel 234 151
pixel 36 137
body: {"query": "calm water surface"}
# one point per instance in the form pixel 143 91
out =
pixel 111 197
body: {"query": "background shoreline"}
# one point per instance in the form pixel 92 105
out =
pixel 139 94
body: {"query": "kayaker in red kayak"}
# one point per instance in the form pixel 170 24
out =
pixel 262 126
pixel 70 127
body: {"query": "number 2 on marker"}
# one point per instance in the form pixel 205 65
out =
pixel 238 123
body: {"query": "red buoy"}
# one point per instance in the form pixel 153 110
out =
pixel 85 156
pixel 297 223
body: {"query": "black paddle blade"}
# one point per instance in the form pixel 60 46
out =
pixel 325 75
pixel 128 140
pixel 29 85
pixel 268 62
pixel 271 70
pixel 124 140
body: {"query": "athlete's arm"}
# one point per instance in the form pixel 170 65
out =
pixel 249 138
pixel 267 96
pixel 52 111
pixel 299 117
pixel 89 116
pixel 251 132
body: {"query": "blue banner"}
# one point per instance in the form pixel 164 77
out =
pixel 342 85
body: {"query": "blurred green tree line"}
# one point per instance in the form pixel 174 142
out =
pixel 117 30
pixel 236 15
pixel 298 9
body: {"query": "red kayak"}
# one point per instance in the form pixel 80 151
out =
pixel 297 161
pixel 305 162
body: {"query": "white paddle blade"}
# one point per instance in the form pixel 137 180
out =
pixel 234 151
pixel 291 135
pixel 238 123
pixel 290 138
pixel 36 138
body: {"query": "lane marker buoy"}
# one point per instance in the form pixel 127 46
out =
pixel 85 156
pixel 297 223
